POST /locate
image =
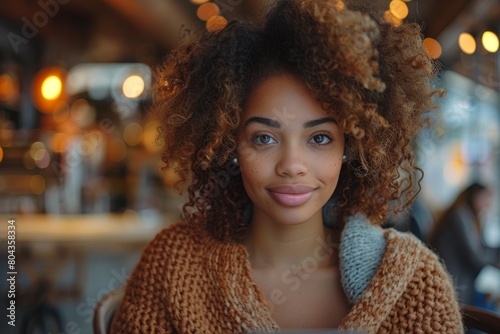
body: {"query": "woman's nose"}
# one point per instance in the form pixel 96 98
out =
pixel 292 161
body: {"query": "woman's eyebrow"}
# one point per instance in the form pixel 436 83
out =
pixel 319 121
pixel 275 124
pixel 262 120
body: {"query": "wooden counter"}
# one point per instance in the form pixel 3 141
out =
pixel 88 231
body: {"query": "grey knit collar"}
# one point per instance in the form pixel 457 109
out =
pixel 362 248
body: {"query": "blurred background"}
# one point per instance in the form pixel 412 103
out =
pixel 80 170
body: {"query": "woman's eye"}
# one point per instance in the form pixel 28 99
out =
pixel 321 139
pixel 263 140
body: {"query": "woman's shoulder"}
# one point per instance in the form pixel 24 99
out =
pixel 169 251
pixel 368 251
pixel 407 256
pixel 419 267
pixel 176 238
pixel 405 251
pixel 404 277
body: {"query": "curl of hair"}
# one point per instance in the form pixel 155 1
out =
pixel 373 77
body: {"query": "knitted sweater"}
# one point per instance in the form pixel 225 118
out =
pixel 188 282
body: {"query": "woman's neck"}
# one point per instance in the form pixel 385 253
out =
pixel 280 246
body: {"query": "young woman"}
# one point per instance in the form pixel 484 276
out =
pixel 295 139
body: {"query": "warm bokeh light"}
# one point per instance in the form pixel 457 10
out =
pixel 467 43
pixel 42 158
pixel 132 134
pixel 133 86
pixel 51 88
pixel 389 17
pixel 1 153
pixel 490 41
pixel 399 9
pixel 432 47
pixel 39 154
pixel 150 137
pixel 455 169
pixel 198 2
pixel 207 10
pixel 36 146
pixel 216 23
pixel 48 89
pixel 37 184
pixel 9 88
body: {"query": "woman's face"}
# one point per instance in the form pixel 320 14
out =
pixel 290 152
pixel 483 201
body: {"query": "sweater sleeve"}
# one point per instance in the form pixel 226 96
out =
pixel 429 302
pixel 142 309
pixel 410 293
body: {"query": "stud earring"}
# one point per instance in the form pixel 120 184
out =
pixel 344 158
pixel 235 160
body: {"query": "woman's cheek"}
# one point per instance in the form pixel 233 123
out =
pixel 247 154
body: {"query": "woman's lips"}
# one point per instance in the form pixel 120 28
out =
pixel 291 195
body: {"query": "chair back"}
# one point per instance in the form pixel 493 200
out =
pixel 105 310
pixel 481 319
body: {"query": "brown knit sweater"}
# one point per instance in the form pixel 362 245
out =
pixel 188 282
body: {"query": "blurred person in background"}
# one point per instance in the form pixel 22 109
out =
pixel 457 238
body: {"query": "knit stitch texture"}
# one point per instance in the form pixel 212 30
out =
pixel 188 282
pixel 363 246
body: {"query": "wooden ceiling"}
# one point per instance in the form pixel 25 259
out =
pixel 444 20
pixel 143 30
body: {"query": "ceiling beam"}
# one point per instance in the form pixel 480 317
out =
pixel 165 20
pixel 470 19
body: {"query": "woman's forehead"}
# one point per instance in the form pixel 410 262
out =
pixel 283 98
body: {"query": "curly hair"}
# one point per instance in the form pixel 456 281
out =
pixel 374 77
